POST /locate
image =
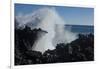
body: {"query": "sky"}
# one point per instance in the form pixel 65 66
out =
pixel 71 15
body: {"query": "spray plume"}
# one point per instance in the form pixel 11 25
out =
pixel 47 19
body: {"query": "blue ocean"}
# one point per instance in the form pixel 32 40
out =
pixel 81 29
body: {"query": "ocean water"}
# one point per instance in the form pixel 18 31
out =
pixel 81 29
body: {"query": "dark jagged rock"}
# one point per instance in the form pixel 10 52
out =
pixel 81 49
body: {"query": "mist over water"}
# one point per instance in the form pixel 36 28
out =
pixel 48 20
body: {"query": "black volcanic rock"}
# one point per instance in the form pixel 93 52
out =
pixel 24 40
pixel 81 49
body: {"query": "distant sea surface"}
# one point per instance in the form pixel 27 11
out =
pixel 81 29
